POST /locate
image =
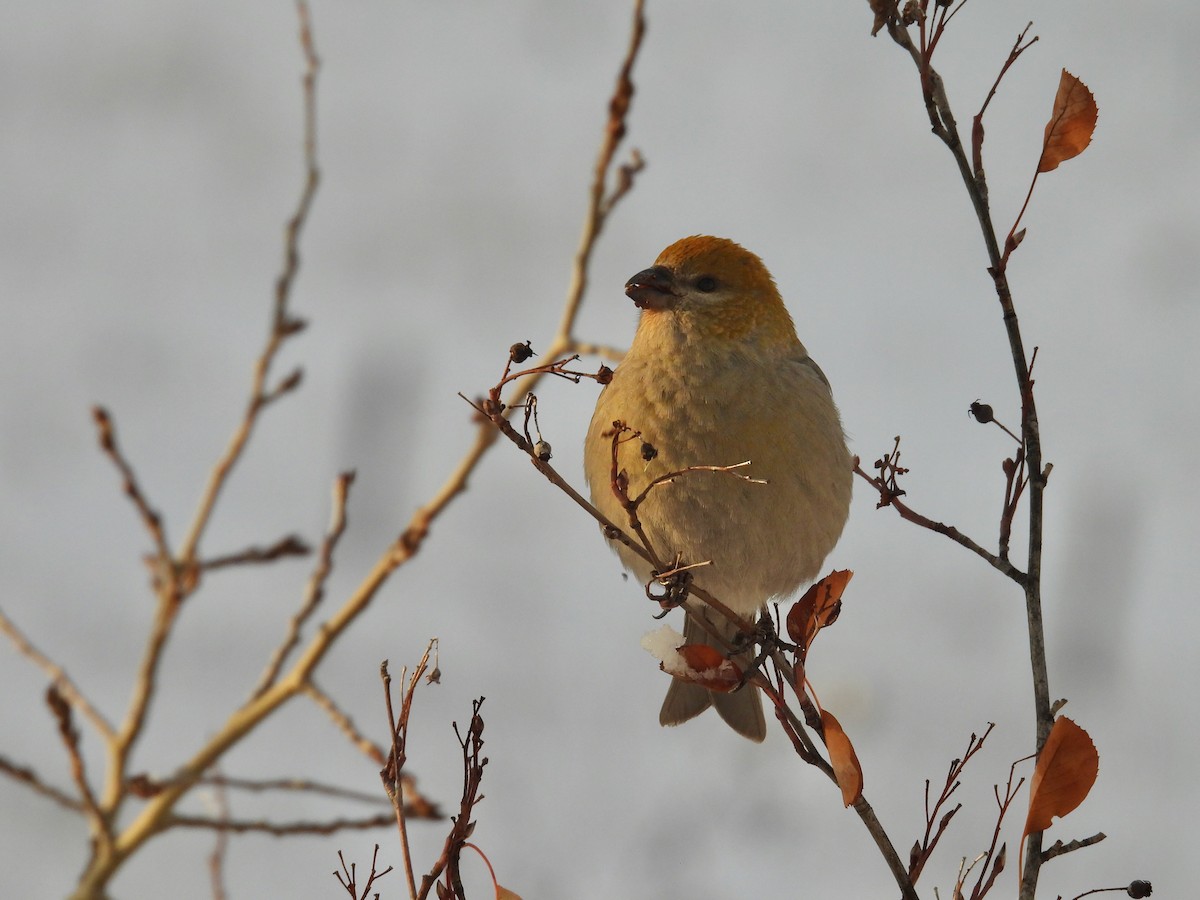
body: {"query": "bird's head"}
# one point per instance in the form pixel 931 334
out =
pixel 713 287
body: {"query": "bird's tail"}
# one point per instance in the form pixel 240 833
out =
pixel 742 709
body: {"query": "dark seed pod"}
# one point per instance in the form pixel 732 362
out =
pixel 518 353
pixel 982 412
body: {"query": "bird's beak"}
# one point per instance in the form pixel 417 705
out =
pixel 652 288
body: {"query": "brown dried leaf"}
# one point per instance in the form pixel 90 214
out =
pixel 883 10
pixel 1065 772
pixel 1071 124
pixel 843 758
pixel 818 608
pixel 708 668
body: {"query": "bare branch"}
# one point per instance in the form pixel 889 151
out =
pixel 923 850
pixel 888 498
pixel 291 545
pixel 316 583
pixel 279 829
pixel 216 860
pixel 150 518
pixel 293 785
pixel 349 881
pixel 601 204
pixel 58 677
pixel 29 777
pixel 283 324
pixel 1058 848
pixel 101 830
pixel 473 764
pixel 344 723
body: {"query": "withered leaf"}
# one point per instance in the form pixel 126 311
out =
pixel 708 668
pixel 843 758
pixel 1065 772
pixel 1071 124
pixel 818 608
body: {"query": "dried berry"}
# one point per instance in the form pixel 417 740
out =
pixel 518 353
pixel 542 450
pixel 648 451
pixel 982 412
pixel 604 375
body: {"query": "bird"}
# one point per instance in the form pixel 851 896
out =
pixel 716 376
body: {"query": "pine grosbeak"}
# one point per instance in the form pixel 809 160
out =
pixel 717 376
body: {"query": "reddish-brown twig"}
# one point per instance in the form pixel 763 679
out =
pixel 349 882
pixel 889 495
pixel 935 826
pixel 473 765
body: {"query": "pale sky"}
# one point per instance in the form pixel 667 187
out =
pixel 149 155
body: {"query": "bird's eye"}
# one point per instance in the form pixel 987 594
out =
pixel 706 284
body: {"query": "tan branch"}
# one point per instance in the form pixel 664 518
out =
pixel 316 583
pixel 58 677
pixel 345 724
pixel 283 324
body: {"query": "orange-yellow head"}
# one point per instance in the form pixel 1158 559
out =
pixel 714 288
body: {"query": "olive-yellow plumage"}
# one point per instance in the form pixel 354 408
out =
pixel 716 376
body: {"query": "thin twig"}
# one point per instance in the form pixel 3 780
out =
pixel 911 515
pixel 216 860
pixel 58 677
pixel 600 202
pixel 1058 848
pixel 283 324
pixel 929 841
pixel 394 768
pixel 31 779
pixel 291 785
pixel 345 724
pixel 994 860
pixel 316 583
pixel 100 826
pixel 473 765
pixel 349 882
pixel 291 545
pixel 278 829
pixel 150 518
pixel 156 814
pixel 942 120
pixel 179 575
pixel 977 126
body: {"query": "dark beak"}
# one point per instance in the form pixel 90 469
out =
pixel 652 288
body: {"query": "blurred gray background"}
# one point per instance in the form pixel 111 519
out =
pixel 149 155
